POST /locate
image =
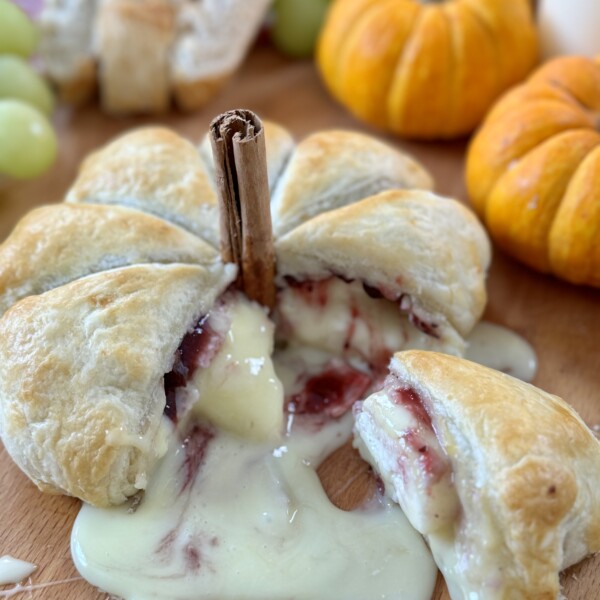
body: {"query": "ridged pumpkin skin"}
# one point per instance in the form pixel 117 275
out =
pixel 533 170
pixel 421 69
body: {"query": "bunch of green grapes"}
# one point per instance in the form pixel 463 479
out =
pixel 27 139
pixel 296 25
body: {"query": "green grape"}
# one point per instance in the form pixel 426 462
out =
pixel 27 140
pixel 18 35
pixel 19 81
pixel 297 24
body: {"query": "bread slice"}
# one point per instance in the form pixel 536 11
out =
pixel 144 52
pixel 211 41
pixel 66 47
pixel 133 42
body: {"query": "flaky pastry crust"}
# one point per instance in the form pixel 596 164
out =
pixel 156 171
pixel 525 469
pixel 57 244
pixel 357 166
pixel 400 242
pixel 81 375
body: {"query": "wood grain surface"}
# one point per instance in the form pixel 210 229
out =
pixel 561 321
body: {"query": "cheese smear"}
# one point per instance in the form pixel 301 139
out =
pixel 13 570
pixel 500 348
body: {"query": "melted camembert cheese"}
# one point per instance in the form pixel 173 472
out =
pixel 228 517
pixel 225 517
pixel 502 349
pixel 243 362
pixel 341 318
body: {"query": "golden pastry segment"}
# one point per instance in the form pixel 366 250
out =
pixel 523 467
pixel 81 375
pixel 56 244
pixel 400 242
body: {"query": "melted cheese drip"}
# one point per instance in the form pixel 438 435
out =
pixel 13 570
pixel 243 363
pixel 341 318
pixel 19 589
pixel 502 349
pixel 255 523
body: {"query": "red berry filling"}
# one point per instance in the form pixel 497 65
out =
pixel 197 349
pixel 332 392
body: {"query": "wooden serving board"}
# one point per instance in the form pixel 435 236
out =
pixel 561 321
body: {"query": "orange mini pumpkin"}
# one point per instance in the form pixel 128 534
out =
pixel 425 69
pixel 533 170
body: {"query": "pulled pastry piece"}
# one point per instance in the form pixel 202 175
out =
pixel 118 317
pixel 499 476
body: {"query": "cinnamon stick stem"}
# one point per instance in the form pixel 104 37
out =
pixel 239 154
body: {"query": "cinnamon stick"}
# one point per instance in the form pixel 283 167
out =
pixel 240 158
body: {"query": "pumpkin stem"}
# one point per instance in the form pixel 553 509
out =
pixel 239 153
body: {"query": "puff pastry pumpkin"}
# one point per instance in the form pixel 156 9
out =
pixel 114 303
pixel 533 171
pixel 422 69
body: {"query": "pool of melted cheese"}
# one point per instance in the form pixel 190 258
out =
pixel 251 521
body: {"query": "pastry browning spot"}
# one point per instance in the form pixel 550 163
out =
pixel 101 300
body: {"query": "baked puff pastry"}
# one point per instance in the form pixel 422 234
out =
pixel 54 245
pixel 498 475
pixel 81 376
pixel 353 272
pixel 104 296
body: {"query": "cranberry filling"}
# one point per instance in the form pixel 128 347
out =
pixel 371 291
pixel 427 328
pixel 411 400
pixel 332 392
pixel 197 349
pixel 312 292
pixel 315 292
pixel 434 464
pixel 195 445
